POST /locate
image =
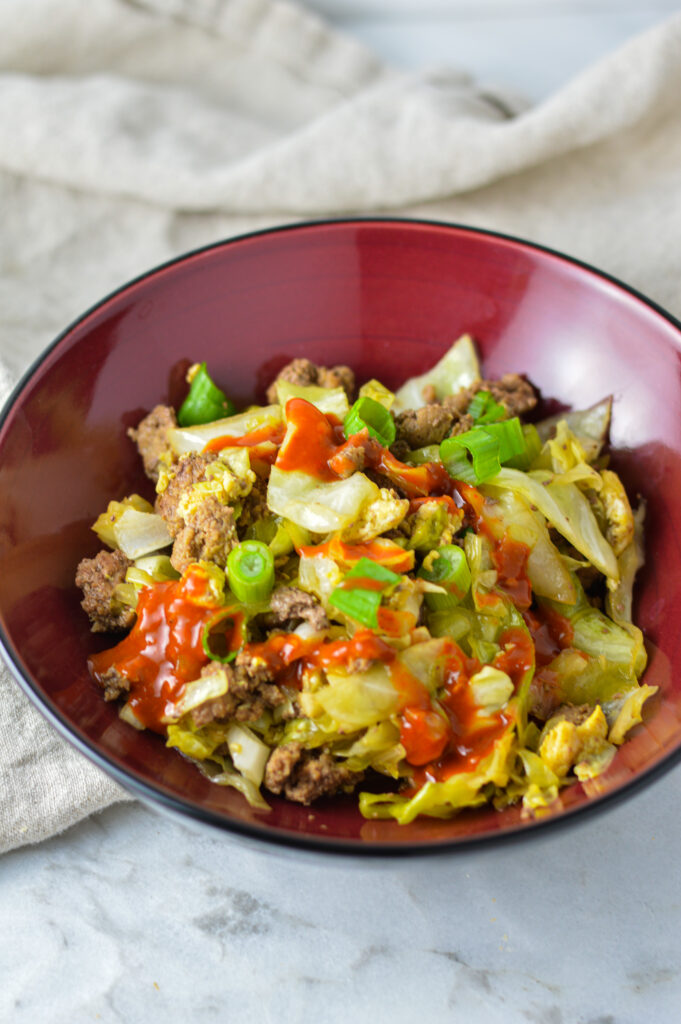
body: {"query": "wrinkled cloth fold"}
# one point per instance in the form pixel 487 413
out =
pixel 134 130
pixel 45 784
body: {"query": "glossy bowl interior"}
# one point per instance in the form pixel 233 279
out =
pixel 387 297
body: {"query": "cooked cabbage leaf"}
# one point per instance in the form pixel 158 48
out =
pixel 590 426
pixel 440 799
pixel 567 510
pixel 458 369
pixel 327 400
pixel 318 506
pixel 195 439
pixel 546 569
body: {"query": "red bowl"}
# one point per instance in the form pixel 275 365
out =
pixel 388 297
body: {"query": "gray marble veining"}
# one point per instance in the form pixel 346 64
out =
pixel 132 918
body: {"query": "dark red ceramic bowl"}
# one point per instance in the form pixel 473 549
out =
pixel 387 297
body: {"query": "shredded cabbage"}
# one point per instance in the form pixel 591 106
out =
pixel 529 682
pixel 194 439
pixel 457 369
pixel 327 400
pixel 317 506
pixel 567 510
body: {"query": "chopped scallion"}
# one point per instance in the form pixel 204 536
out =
pixel 358 604
pixel 478 454
pixel 250 571
pixel 367 569
pixel 472 457
pixel 533 445
pixel 362 603
pixel 509 434
pixel 205 401
pixel 208 638
pixel 449 569
pixel 484 409
pixel 370 414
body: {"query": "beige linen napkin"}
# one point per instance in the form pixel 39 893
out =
pixel 132 131
pixel 45 784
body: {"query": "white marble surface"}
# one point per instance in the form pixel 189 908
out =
pixel 130 918
pixel 529 46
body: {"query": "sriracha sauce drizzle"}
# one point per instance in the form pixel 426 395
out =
pixel 164 651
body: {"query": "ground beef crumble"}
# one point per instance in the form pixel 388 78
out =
pixel 305 373
pixel 421 427
pixel 114 684
pixel 417 428
pixel 190 470
pixel 512 391
pixel 209 531
pixel 98 577
pixel 305 775
pixel 208 534
pixel 151 437
pixel 250 692
pixel 290 606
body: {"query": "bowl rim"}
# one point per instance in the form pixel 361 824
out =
pixel 283 839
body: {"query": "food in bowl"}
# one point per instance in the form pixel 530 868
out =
pixel 415 596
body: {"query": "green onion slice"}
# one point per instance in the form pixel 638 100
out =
pixel 484 409
pixel 367 569
pixel 533 445
pixel 250 571
pixel 510 436
pixel 370 414
pixel 362 603
pixel 207 639
pixel 472 457
pixel 449 570
pixel 419 456
pixel 205 401
pixel 478 454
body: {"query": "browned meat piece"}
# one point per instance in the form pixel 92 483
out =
pixel 305 775
pixel 461 424
pixel 291 603
pixel 254 507
pixel 512 391
pixel 400 450
pixel 458 403
pixel 253 685
pixel 305 373
pixel 253 674
pixel 348 460
pixel 298 371
pixel 98 577
pixel 218 707
pixel 151 437
pixel 114 684
pixel 575 713
pixel 337 377
pixel 250 692
pixel 190 470
pixel 208 533
pixel 544 698
pixel 420 427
